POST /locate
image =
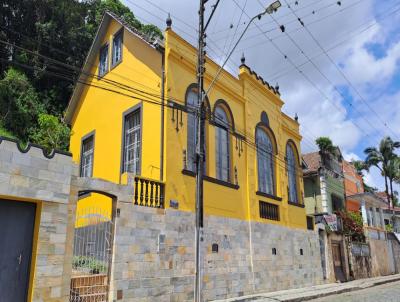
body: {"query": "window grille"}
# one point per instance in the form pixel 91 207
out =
pixel 269 211
pixel 87 157
pixel 132 143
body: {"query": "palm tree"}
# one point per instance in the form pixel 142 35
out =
pixel 397 172
pixel 381 158
pixel 392 173
pixel 325 144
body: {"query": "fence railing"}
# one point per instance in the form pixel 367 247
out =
pixel 149 192
pixel 92 256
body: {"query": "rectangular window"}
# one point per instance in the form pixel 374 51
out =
pixel 310 223
pixel 117 48
pixel 269 211
pixel 87 152
pixel 132 143
pixel 103 60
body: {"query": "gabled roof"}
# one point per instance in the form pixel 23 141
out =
pixel 312 161
pixel 93 51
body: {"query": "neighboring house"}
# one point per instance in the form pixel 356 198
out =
pixel 353 184
pixel 323 182
pixel 252 155
pixel 323 196
pixel 381 249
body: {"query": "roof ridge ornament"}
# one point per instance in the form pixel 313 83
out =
pixel 168 21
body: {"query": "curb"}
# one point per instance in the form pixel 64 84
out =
pixel 340 291
pixel 320 295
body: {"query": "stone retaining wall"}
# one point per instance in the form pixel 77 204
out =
pixel 154 256
pixel 31 175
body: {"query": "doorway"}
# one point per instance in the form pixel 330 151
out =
pixel 17 221
pixel 337 261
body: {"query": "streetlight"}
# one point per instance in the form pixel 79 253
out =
pixel 273 7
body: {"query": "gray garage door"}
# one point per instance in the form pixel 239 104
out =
pixel 17 221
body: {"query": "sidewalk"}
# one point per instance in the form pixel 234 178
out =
pixel 313 292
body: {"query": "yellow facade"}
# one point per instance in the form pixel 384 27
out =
pixel 247 96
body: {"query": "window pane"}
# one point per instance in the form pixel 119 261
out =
pixel 292 173
pixel 103 61
pixel 87 157
pixel 117 48
pixel 191 131
pixel 222 145
pixel 265 162
pixel 132 142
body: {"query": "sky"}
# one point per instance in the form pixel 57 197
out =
pixel 341 71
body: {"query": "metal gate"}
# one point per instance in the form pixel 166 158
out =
pixel 92 256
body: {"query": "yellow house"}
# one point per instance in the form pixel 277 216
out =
pixel 131 123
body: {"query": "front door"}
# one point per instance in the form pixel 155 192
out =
pixel 337 262
pixel 17 221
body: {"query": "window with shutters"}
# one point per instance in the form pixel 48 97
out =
pixel 132 142
pixel 265 162
pixel 87 151
pixel 291 165
pixel 222 145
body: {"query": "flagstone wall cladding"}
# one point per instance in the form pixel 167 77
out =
pixel 28 174
pixel 154 256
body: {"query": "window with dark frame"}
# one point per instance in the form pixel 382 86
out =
pixel 87 151
pixel 103 60
pixel 291 166
pixel 265 162
pixel 132 142
pixel 222 145
pixel 269 211
pixel 117 48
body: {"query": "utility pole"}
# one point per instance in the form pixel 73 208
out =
pixel 200 151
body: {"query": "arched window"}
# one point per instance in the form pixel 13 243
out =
pixel 222 144
pixel 265 162
pixel 292 173
pixel 191 103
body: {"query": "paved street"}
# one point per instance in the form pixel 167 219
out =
pixel 389 292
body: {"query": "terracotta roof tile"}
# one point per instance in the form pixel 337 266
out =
pixel 313 161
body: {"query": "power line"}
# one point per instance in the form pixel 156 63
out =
pixel 327 79
pixel 343 74
pixel 301 72
pixel 249 141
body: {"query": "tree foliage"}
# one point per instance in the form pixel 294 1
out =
pixel 19 103
pixel 352 225
pixel 325 144
pixel 62 30
pixel 51 133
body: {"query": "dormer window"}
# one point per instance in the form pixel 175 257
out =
pixel 103 60
pixel 117 48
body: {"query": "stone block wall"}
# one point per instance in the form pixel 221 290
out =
pixel 154 256
pixel 380 258
pixel 32 175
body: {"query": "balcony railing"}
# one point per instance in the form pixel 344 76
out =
pixel 148 192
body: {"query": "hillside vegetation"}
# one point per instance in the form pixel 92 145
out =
pixel 43 46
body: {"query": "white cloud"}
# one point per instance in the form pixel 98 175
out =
pixel 348 126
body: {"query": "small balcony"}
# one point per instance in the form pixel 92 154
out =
pixel 147 192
